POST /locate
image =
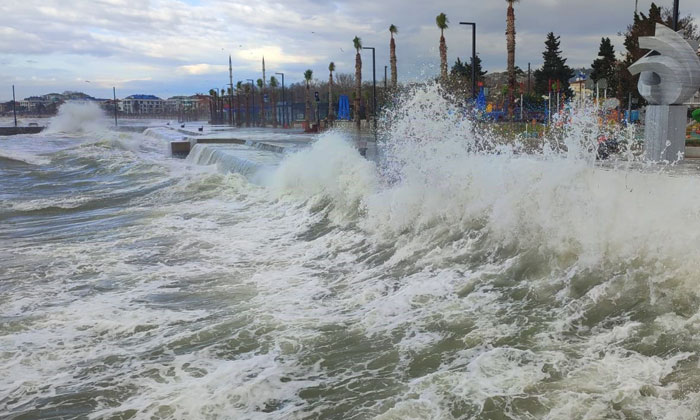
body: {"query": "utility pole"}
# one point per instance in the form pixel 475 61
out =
pixel 14 105
pixel 114 92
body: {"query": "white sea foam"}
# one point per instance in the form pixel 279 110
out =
pixel 458 278
pixel 78 117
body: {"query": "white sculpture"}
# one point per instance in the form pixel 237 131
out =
pixel 670 72
pixel 670 76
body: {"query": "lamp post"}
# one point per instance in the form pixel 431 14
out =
pixel 252 94
pixel 374 90
pixel 14 105
pixel 473 25
pixel 675 15
pixel 385 77
pixel 114 91
pixel 284 103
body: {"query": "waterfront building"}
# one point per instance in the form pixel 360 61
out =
pixel 142 104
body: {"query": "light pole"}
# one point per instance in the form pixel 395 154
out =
pixel 284 103
pixel 252 93
pixel 14 105
pixel 473 25
pixel 675 15
pixel 385 77
pixel 374 90
pixel 114 91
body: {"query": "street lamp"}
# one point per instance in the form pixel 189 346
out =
pixel 374 90
pixel 252 94
pixel 284 103
pixel 14 105
pixel 473 24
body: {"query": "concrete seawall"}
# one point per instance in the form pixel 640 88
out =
pixel 12 131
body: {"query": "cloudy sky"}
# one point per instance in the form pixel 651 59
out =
pixel 169 47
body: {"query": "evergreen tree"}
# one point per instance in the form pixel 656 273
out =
pixel 605 66
pixel 554 71
pixel 480 72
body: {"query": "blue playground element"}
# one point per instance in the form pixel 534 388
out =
pixel 343 108
pixel 481 100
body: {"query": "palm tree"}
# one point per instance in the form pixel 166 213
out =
pixel 442 21
pixel 393 30
pixel 510 41
pixel 308 74
pixel 331 69
pixel 229 92
pixel 212 104
pixel 273 98
pixel 246 88
pixel 221 111
pixel 357 42
pixel 239 90
pixel 262 102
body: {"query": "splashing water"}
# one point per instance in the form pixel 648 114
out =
pixel 464 275
pixel 78 117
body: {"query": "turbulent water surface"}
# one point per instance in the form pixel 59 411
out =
pixel 443 282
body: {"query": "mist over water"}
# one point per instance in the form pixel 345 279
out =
pixel 460 276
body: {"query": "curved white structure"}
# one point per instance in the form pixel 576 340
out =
pixel 670 72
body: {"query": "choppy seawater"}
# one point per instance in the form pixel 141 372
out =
pixel 486 286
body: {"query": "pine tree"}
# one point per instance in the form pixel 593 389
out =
pixel 480 72
pixel 554 71
pixel 605 66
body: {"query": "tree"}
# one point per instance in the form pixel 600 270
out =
pixel 239 91
pixel 605 66
pixel 510 45
pixel 357 43
pixel 261 85
pixel 212 105
pixel 273 98
pixel 393 30
pixel 645 25
pixel 246 89
pixel 308 74
pixel 554 74
pixel 331 69
pixel 442 22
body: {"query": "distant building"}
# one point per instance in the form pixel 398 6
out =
pixel 142 104
pixel 176 104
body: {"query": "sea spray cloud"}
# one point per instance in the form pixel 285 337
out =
pixel 78 117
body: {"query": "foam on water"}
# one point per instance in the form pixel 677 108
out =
pixel 462 276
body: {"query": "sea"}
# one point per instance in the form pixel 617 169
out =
pixel 458 275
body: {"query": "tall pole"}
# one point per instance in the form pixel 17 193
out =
pixel 385 77
pixel 14 105
pixel 114 92
pixel 284 102
pixel 528 78
pixel 675 15
pixel 473 25
pixel 374 90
